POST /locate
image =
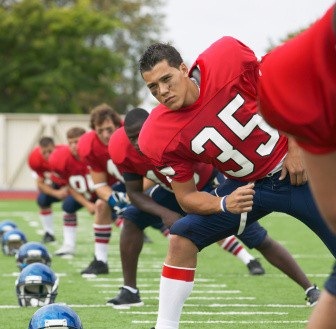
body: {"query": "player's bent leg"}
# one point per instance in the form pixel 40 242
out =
pixel 177 281
pixel 279 257
pixel 131 242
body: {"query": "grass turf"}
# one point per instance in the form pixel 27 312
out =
pixel 224 295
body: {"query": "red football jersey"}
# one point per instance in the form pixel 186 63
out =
pixel 129 160
pixel 222 127
pixel 41 167
pixel 74 171
pixel 95 154
pixel 298 87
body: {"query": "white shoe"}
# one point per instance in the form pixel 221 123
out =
pixel 65 250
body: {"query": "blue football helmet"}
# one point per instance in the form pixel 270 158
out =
pixel 6 225
pixel 12 240
pixel 32 252
pixel 55 316
pixel 36 285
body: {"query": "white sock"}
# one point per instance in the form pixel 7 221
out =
pixel 102 238
pixel 232 245
pixel 46 217
pixel 175 287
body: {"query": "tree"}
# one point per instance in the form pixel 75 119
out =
pixel 62 56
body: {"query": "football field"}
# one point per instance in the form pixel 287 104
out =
pixel 224 295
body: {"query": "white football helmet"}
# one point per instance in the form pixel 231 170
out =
pixel 32 252
pixel 56 316
pixel 12 240
pixel 36 285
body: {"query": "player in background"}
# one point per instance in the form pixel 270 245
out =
pixel 65 162
pixel 298 96
pixel 162 206
pixel 108 183
pixel 209 114
pixel 50 187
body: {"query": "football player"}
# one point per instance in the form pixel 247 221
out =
pixel 51 188
pixel 298 96
pixel 209 114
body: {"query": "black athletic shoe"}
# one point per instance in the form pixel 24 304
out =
pixel 48 238
pixel 96 267
pixel 255 267
pixel 125 299
pixel 312 295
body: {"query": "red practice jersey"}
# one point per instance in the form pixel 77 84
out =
pixel 95 154
pixel 222 127
pixel 129 160
pixel 72 170
pixel 41 167
pixel 298 87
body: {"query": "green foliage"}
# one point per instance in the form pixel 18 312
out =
pixel 61 56
pixel 224 295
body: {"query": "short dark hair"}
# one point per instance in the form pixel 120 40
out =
pixel 158 52
pixel 75 132
pixel 103 112
pixel 46 141
pixel 136 115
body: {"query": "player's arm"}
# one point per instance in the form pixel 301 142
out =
pixel 82 200
pixel 100 180
pixel 322 178
pixel 60 193
pixel 293 164
pixel 203 203
pixel 135 191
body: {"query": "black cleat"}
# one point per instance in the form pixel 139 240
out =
pixel 96 267
pixel 312 295
pixel 125 299
pixel 255 267
pixel 48 238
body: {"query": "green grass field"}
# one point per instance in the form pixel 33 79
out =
pixel 224 296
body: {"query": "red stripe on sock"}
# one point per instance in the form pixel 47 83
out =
pixel 237 250
pixel 45 211
pixel 178 273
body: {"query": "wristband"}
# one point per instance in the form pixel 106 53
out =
pixel 223 204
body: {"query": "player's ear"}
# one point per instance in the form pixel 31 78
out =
pixel 184 69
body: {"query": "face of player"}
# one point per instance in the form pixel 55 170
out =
pixel 47 150
pixel 105 131
pixel 171 86
pixel 73 145
pixel 132 133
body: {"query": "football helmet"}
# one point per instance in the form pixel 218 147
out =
pixel 6 225
pixel 55 316
pixel 12 240
pixel 32 252
pixel 36 285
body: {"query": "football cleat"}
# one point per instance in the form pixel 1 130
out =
pixel 125 299
pixel 312 295
pixel 95 267
pixel 255 267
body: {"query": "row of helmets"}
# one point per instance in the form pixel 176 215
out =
pixel 37 284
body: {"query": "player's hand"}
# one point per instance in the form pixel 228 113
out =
pixel 62 193
pixel 118 201
pixel 241 199
pixel 293 165
pixel 170 217
pixel 90 208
